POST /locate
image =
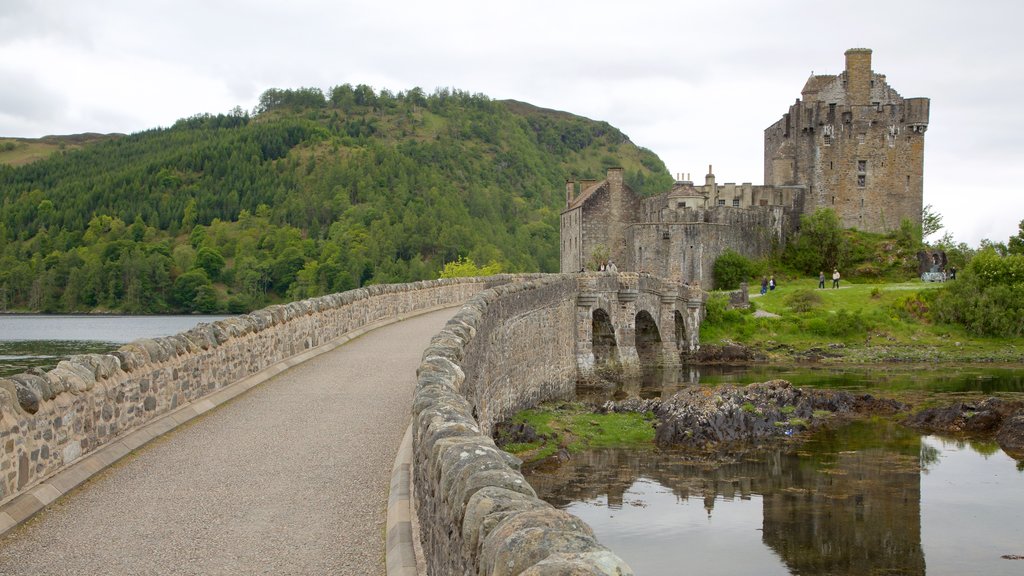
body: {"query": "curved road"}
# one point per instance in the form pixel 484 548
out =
pixel 290 478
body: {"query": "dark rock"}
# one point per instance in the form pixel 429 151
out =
pixel 702 418
pixel 711 354
pixel 984 417
pixel 1011 436
pixel 507 433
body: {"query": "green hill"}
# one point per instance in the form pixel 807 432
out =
pixel 314 193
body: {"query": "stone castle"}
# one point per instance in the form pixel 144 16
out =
pixel 852 144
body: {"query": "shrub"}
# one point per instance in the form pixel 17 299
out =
pixel 986 298
pixel 732 268
pixel 803 300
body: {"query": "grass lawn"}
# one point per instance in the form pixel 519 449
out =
pixel 858 322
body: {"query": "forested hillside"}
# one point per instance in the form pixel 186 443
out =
pixel 313 193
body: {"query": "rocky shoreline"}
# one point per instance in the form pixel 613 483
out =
pixel 840 353
pixel 711 419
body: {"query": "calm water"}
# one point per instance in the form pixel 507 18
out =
pixel 43 340
pixel 869 498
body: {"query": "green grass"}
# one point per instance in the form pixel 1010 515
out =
pixel 574 427
pixel 855 321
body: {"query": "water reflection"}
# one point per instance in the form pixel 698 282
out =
pixel 849 501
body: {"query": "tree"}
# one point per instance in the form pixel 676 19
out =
pixel 731 268
pixel 819 244
pixel 210 261
pixel 931 221
pixel 1016 243
pixel 465 267
pixel 186 288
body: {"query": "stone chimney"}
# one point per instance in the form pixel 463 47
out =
pixel 858 76
pixel 570 188
pixel 709 180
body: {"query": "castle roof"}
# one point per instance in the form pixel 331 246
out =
pixel 586 194
pixel 816 83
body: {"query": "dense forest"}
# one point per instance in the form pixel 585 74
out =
pixel 312 193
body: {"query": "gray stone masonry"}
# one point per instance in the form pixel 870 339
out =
pixel 49 420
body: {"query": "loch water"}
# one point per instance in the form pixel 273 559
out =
pixel 42 340
pixel 870 497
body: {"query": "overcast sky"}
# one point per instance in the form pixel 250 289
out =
pixel 697 83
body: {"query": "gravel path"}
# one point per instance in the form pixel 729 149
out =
pixel 291 478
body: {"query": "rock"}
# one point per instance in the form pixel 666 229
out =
pixel 703 418
pixel 974 417
pixel 710 353
pixel 514 433
pixel 1011 436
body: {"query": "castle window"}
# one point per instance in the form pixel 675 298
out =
pixel 862 165
pixel 861 180
pixel 764 202
pixel 828 139
pixel 721 202
pixel 736 202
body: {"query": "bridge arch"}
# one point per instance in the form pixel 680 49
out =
pixel 647 338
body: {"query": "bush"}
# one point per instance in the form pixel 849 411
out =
pixel 913 307
pixel 803 300
pixel 986 298
pixel 718 312
pixel 732 268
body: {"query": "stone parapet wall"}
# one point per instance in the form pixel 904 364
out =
pixel 49 420
pixel 507 349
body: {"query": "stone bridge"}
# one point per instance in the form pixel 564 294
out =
pixel 626 319
pixel 515 342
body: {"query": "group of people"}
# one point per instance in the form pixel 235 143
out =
pixel 768 282
pixel 835 278
pixel 608 266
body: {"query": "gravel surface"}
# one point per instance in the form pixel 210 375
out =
pixel 291 478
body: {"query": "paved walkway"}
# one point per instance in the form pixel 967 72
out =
pixel 291 478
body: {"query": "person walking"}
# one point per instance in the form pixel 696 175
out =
pixel 835 278
pixel 821 279
pixel 771 283
pixel 764 285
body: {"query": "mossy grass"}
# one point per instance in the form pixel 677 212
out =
pixel 574 426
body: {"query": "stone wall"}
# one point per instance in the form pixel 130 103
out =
pixel 686 250
pixel 49 420
pixel 508 348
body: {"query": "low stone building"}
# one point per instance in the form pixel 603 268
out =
pixel 676 235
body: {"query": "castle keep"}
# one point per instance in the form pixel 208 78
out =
pixel 853 144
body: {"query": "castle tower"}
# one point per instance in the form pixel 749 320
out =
pixel 854 145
